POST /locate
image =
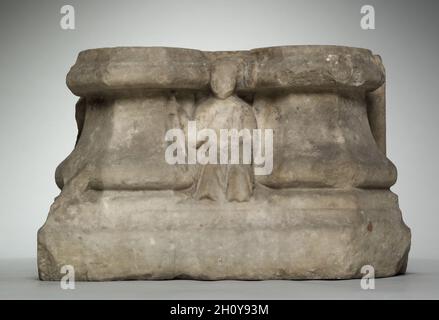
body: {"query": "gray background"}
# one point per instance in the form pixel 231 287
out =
pixel 37 110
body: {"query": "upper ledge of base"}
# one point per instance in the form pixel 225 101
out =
pixel 310 67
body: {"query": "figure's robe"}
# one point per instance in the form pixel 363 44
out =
pixel 233 182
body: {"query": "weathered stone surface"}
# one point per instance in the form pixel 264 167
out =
pixel 316 68
pixel 323 140
pixel 287 234
pixel 124 69
pixel 322 213
pixel 376 112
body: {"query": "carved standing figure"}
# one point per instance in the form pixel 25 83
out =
pixel 225 110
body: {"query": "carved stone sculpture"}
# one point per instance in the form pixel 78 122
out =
pixel 323 212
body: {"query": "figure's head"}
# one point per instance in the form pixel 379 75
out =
pixel 223 78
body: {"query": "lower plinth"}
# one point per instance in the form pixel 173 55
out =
pixel 279 234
